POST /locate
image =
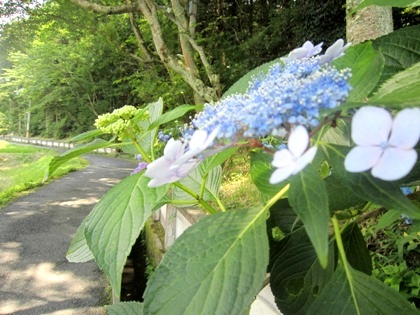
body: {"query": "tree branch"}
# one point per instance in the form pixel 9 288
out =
pixel 106 9
pixel 137 33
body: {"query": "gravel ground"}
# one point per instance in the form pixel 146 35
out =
pixel 35 233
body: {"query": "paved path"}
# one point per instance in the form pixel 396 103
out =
pixel 35 233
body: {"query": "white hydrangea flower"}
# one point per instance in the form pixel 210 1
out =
pixel 292 160
pixel 307 50
pixel 175 162
pixel 383 144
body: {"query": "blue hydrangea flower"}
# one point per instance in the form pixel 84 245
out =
pixel 293 93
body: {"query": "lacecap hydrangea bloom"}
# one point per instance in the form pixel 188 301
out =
pixel 293 92
pixel 290 97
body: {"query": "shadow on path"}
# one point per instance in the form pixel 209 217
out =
pixel 35 234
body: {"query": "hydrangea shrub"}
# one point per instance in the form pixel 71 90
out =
pixel 349 124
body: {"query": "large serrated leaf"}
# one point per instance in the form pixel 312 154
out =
pixel 217 159
pixel 340 195
pixel 116 221
pixel 79 251
pixel 366 65
pixel 147 139
pixel 217 266
pixel 371 297
pixel 340 134
pixel 296 275
pixel 366 187
pixel 177 112
pixel 308 197
pixel 125 308
pixel 261 171
pixel 356 249
pixel 401 50
pixel 86 135
pixel 401 90
pixel 57 161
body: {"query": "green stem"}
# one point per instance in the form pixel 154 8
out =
pixel 343 257
pixel 141 151
pixel 276 197
pixel 219 202
pixel 203 187
pixel 206 206
pixel 183 202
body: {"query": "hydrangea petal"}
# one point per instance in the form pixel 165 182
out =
pixel 298 141
pixel 305 159
pixel 198 139
pixel 360 159
pixel 394 164
pixel 155 168
pixel 406 129
pixel 173 149
pixel 371 126
pixel 282 158
pixel 283 173
pixel 334 51
pixel 307 50
pixel 185 168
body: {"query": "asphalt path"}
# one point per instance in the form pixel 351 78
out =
pixel 35 234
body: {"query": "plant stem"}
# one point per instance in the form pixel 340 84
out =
pixel 206 206
pixel 344 261
pixel 141 151
pixel 202 189
pixel 276 197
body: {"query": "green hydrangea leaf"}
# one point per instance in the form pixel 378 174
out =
pixel 217 266
pixel 371 297
pixel 309 199
pixel 116 221
pixel 296 275
pixel 125 308
pixel 366 65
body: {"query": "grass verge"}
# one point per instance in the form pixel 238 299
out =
pixel 24 167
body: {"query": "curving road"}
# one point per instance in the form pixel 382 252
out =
pixel 35 233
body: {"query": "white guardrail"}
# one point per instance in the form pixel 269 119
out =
pixel 52 143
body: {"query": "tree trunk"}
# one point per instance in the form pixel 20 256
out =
pixel 179 14
pixel 368 23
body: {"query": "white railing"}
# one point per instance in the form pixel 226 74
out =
pixel 52 143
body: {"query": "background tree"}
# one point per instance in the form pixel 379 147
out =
pixel 368 23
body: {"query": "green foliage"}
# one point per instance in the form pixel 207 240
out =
pixel 77 151
pixel 115 223
pixel 308 198
pixel 368 296
pixel 394 245
pixel 125 308
pixel 306 234
pixel 193 286
pixel 23 168
pixel 388 3
pixel 366 67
